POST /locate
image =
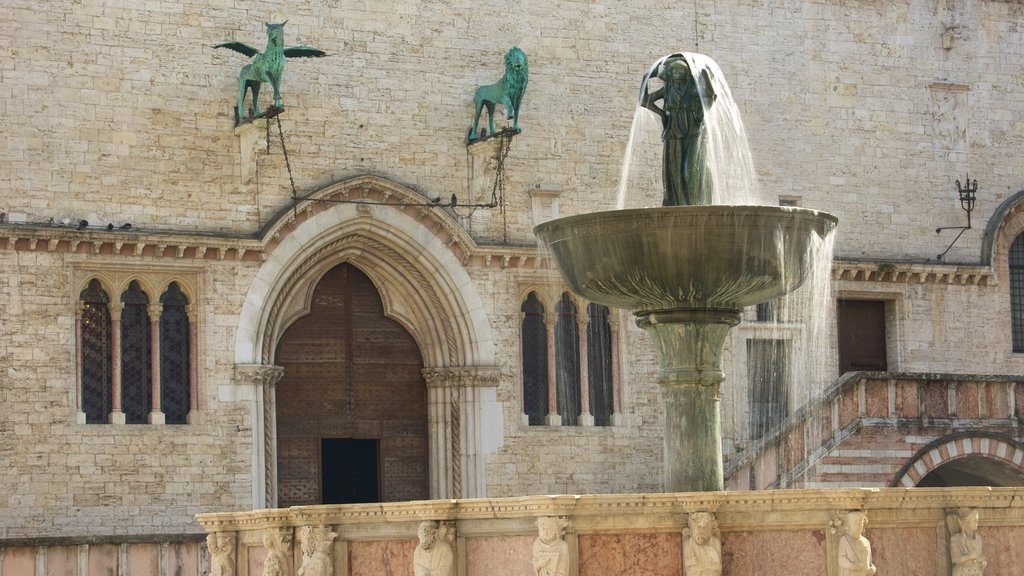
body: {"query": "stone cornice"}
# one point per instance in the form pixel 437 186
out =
pixel 746 510
pixel 130 243
pixel 912 273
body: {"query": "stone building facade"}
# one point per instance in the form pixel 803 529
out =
pixel 333 302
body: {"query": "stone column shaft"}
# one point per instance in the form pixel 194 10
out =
pixel 689 344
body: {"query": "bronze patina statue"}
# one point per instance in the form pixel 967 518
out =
pixel 684 135
pixel 267 66
pixel 508 92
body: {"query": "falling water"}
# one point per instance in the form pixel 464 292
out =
pixel 803 320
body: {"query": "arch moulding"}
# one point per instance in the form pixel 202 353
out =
pixel 413 255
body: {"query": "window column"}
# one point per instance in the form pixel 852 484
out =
pixel 156 415
pixel 116 415
pixel 552 418
pixel 582 327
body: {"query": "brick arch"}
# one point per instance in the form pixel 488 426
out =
pixel 951 448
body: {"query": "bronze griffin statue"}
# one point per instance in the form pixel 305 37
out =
pixel 266 66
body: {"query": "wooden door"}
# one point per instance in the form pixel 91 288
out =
pixel 350 373
pixel 862 339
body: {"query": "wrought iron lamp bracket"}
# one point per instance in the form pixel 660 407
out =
pixel 968 194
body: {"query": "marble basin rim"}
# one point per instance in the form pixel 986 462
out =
pixel 686 257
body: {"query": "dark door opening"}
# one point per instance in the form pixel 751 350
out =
pixel 349 470
pixel 862 339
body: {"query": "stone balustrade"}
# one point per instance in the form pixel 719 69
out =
pixel 791 532
pixel 138 555
pixel 875 429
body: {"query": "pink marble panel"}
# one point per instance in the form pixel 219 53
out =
pixel 19 561
pixel 499 556
pixel 183 559
pixel 635 553
pixel 908 401
pixel 876 398
pixel 774 552
pixel 1002 546
pixel 144 559
pixel 903 550
pixel 381 558
pixel 61 561
pixel 103 559
pixel 257 555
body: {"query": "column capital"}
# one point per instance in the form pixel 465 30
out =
pixel 462 377
pixel 261 375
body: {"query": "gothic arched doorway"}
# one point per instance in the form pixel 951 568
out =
pixel 352 404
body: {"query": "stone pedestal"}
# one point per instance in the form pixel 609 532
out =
pixel 689 344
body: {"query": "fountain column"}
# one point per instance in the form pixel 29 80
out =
pixel 689 343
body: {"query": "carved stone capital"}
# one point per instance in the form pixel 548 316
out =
pixel 462 377
pixel 262 375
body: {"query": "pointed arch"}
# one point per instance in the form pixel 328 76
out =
pixel 412 255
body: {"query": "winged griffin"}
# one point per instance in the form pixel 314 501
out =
pixel 266 66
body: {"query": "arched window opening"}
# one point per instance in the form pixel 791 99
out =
pixel 535 361
pixel 599 364
pixel 1017 292
pixel 567 361
pixel 175 365
pixel 95 341
pixel 136 366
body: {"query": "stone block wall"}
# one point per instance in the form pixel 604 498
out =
pixel 123 114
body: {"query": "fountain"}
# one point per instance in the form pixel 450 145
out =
pixel 687 269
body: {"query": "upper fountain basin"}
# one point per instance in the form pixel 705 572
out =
pixel 686 256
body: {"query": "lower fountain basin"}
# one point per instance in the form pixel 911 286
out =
pixel 676 257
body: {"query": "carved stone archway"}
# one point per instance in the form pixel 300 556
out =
pixel 413 256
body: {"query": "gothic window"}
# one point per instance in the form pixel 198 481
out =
pixel 1017 292
pixel 767 373
pixel 567 361
pixel 136 367
pixel 135 356
pixel 95 359
pixel 599 364
pixel 535 360
pixel 175 367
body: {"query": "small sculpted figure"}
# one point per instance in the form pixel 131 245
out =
pixel 433 555
pixel 278 545
pixel 222 549
pixel 965 543
pixel 550 552
pixel 686 177
pixel 702 546
pixel 508 92
pixel 266 66
pixel 854 548
pixel 316 551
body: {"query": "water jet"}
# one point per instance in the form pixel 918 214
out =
pixel 688 268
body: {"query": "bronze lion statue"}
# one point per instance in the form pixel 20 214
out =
pixel 508 92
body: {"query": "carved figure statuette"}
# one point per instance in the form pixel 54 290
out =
pixel 550 551
pixel 854 550
pixel 266 66
pixel 685 172
pixel 278 544
pixel 433 555
pixel 508 92
pixel 222 553
pixel 316 551
pixel 702 546
pixel 965 543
